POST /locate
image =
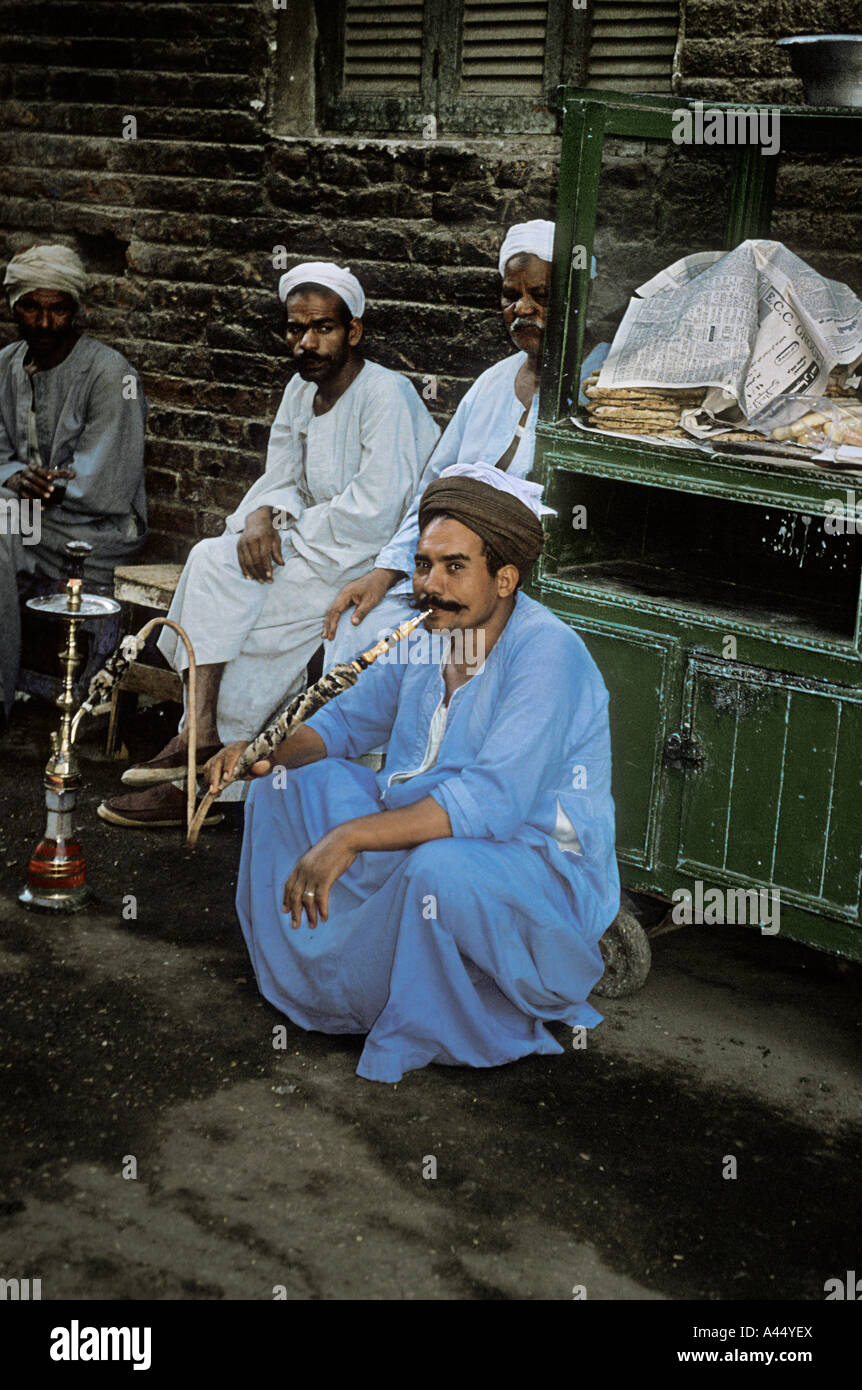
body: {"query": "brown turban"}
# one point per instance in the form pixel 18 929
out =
pixel 503 521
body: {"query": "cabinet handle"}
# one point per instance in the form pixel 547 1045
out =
pixel 683 751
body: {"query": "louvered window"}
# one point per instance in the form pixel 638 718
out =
pixel 382 47
pixel 503 48
pixel 632 44
pixel 484 66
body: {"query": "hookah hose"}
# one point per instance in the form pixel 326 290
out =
pixel 305 704
pixel 116 666
pixel 340 678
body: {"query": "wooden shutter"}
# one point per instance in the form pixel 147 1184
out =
pixel 632 43
pixel 503 47
pixel 383 47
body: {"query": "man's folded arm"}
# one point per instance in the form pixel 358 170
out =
pixel 9 463
pixel 404 828
pixel 277 487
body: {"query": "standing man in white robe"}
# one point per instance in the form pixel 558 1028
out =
pixel 346 452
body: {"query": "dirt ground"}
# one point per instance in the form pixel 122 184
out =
pixel 140 1044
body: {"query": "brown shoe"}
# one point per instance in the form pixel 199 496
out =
pixel 167 767
pixel 158 806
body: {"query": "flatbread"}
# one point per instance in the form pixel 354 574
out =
pixel 618 412
pixel 645 403
pixel 645 393
pixel 674 393
pixel 665 431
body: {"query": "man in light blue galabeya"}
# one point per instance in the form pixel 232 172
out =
pixel 451 905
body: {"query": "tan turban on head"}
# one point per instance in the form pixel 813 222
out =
pixel 500 518
pixel 45 268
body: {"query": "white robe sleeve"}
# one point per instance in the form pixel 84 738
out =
pixel 278 486
pixel 399 552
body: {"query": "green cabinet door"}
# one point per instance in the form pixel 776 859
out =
pixel 639 670
pixel 777 797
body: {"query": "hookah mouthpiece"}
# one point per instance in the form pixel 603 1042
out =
pixel 385 643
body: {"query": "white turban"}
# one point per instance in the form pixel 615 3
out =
pixel 528 493
pixel 333 277
pixel 533 239
pixel 45 268
pixel 528 238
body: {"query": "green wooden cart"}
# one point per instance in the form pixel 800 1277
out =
pixel 725 620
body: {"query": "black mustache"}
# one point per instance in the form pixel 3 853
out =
pixel 425 605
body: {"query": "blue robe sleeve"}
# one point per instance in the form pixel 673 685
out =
pixel 548 735
pixel 361 718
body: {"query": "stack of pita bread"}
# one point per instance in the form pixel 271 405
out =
pixel 653 410
pixel 656 410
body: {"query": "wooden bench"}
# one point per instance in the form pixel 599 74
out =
pixel 151 587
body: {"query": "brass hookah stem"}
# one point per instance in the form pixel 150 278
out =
pixel 71 660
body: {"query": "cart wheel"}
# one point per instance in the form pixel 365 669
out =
pixel 626 952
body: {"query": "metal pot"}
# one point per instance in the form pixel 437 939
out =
pixel 830 66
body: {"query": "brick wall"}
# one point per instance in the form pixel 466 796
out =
pixel 178 225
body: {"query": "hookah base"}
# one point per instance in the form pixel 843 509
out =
pixel 57 900
pixel 56 881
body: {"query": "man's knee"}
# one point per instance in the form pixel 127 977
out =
pixel 266 790
pixel 214 553
pixel 437 865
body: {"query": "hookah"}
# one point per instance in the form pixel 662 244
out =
pixel 57 874
pixel 56 877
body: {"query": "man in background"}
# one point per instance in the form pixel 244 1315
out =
pixel 72 414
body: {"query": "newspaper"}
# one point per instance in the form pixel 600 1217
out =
pixel 756 324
